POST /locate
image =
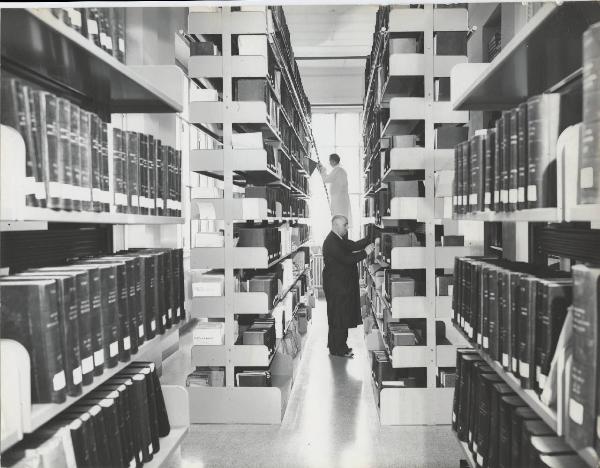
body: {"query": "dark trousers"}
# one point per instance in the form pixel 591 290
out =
pixel 336 340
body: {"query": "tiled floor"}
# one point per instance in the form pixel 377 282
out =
pixel 331 421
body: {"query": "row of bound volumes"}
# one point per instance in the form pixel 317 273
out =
pixel 77 320
pixel 512 166
pixel 105 27
pixel 120 424
pixel 68 155
pixel 280 203
pixel 514 312
pixel 498 427
pixel 146 175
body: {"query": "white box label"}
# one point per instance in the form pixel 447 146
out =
pixel 576 411
pixel 542 380
pixel 504 360
pixel 453 416
pixel 164 320
pixel 513 195
pixel 170 312
pixel 77 376
pixel 99 357
pixel 121 44
pixel 87 364
pixel 486 342
pixel 524 369
pixel 532 193
pixel 153 325
pixel 504 196
pixel 59 381
pixel 450 289
pixel 92 26
pixel 496 195
pixel 479 459
pixel 487 198
pixel 454 200
pixel 141 331
pixel 521 194
pixel 127 343
pixel 586 177
pixel 473 199
pixel 514 364
pixel 479 339
pixel 114 349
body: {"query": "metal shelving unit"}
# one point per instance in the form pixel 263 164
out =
pixel 229 404
pixel 407 115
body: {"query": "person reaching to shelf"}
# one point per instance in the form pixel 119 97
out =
pixel 341 285
pixel 339 200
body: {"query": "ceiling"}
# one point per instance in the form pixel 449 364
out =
pixel 330 44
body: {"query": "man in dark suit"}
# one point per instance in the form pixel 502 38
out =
pixel 340 283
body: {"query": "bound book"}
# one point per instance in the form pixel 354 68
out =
pixel 583 405
pixel 506 161
pixel 465 176
pixel 493 311
pixel 500 390
pixel 543 121
pixel 523 158
pixel 519 416
pixel 552 302
pixel 490 161
pixel 133 154
pixel 75 157
pixel 484 414
pixel 498 165
pixel 526 325
pixel 508 406
pixel 504 317
pixel 531 428
pixel 513 173
pixel 68 320
pixel 85 159
pixel 30 316
pixel 478 163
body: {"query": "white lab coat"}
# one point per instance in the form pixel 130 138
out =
pixel 339 200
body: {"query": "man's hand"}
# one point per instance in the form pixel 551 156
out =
pixel 369 249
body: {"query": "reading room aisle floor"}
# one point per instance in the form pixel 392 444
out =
pixel 331 420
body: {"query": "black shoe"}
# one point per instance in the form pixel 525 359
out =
pixel 347 354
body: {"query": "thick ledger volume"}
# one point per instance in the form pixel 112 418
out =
pixel 498 165
pixel 477 157
pixel 30 316
pixel 589 165
pixel 506 160
pixel 68 320
pixel 457 179
pixel 513 172
pixel 522 159
pixel 526 326
pixel 465 176
pixel 543 119
pixel 552 301
pixel 489 158
pixel 582 407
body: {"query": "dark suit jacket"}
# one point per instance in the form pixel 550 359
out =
pixel 340 280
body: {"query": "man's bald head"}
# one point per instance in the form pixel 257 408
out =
pixel 339 225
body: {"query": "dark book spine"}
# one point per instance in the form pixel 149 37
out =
pixel 181 284
pixel 64 152
pixel 476 146
pixel 86 347
pixel 177 306
pixel 476 317
pixel 527 297
pixel 504 454
pixel 498 164
pixel 124 313
pixel 152 174
pixel 556 299
pixel 151 296
pixel 505 168
pixel 490 150
pixel 85 160
pixel 178 182
pixel 30 316
pixel 75 158
pixel 140 300
pixel 117 175
pixel 166 179
pixel 169 290
pixel 162 294
pixel 96 293
pixel 113 435
pixel 35 147
pixel 583 404
pixel 493 312
pixel 543 117
pixel 523 165
pixel 133 152
pixel 466 176
pixel 95 162
pixel 159 178
pixel 515 279
pixel 143 171
pixel 132 304
pixel 504 317
pixel 513 172
pixel 111 315
pixel 105 179
pixel 482 293
pixel 120 34
pixel 589 168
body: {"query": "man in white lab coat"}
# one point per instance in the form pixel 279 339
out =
pixel 339 200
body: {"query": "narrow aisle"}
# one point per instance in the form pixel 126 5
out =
pixel 331 421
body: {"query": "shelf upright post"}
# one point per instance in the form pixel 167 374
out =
pixel 429 196
pixel 228 194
